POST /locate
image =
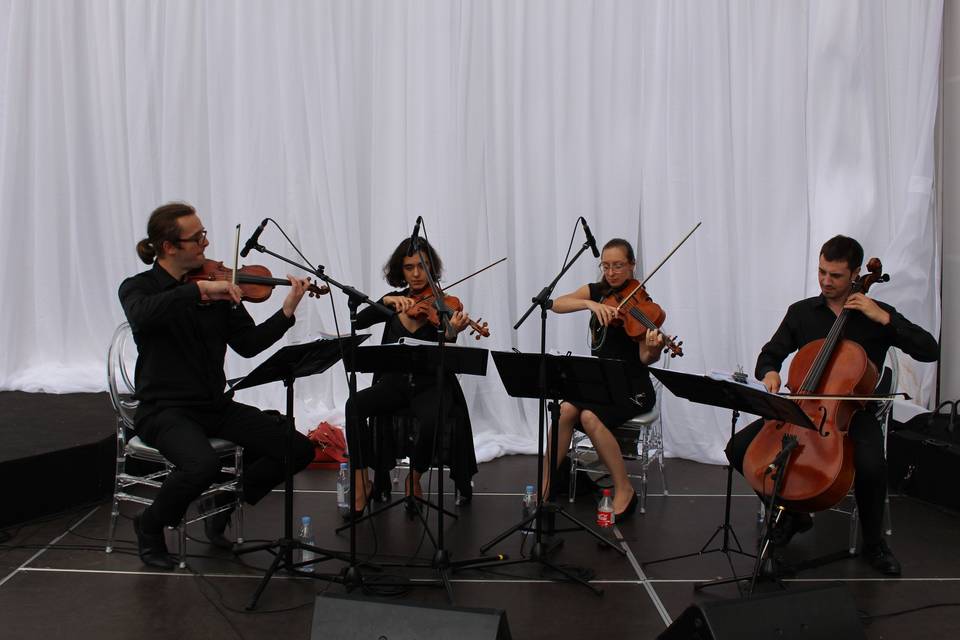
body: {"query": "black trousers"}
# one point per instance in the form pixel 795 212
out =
pixel 181 435
pixel 390 394
pixel 870 468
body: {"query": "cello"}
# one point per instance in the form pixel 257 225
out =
pixel 819 470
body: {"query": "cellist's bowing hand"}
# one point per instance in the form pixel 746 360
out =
pixel 219 290
pixel 772 381
pixel 651 346
pixel 867 307
pixel 605 313
pixel 298 286
pixel 399 303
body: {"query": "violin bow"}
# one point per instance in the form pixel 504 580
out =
pixel 662 262
pixel 236 259
pixel 451 285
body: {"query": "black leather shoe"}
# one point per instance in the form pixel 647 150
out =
pixel 881 558
pixel 152 548
pixel 790 524
pixel 215 526
pixel 631 507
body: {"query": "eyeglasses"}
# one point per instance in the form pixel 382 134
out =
pixel 615 266
pixel 199 237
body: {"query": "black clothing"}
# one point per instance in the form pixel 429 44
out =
pixel 812 319
pixel 179 380
pixel 618 345
pixel 182 342
pixel 403 410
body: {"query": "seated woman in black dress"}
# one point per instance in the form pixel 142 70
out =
pixel 416 393
pixel 617 263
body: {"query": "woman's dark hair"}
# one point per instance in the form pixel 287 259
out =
pixel 393 270
pixel 843 248
pixel 623 244
pixel 162 226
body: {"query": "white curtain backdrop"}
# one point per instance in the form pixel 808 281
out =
pixel 776 124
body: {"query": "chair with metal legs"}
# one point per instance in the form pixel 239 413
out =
pixel 640 440
pixel 130 486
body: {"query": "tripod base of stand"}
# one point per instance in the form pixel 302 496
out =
pixel 283 550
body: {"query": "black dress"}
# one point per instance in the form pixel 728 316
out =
pixel 402 412
pixel 618 345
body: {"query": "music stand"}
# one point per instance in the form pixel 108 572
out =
pixel 286 365
pixel 423 359
pixel 589 380
pixel 737 397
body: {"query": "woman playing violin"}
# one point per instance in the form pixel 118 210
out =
pixel 417 393
pixel 182 330
pixel 617 263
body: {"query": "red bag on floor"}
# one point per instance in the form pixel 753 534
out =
pixel 330 446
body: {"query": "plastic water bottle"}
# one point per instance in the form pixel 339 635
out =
pixel 528 505
pixel 605 515
pixel 306 537
pixel 343 489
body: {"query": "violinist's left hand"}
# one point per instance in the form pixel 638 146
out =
pixel 459 321
pixel 651 347
pixel 298 286
pixel 867 307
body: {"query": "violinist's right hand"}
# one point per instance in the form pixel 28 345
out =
pixel 605 313
pixel 219 290
pixel 399 303
pixel 772 381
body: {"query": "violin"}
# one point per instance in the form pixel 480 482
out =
pixel 638 313
pixel 820 466
pixel 255 281
pixel 424 307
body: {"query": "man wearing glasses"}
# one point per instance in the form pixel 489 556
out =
pixel 182 330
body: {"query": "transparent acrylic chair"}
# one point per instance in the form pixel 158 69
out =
pixel 132 487
pixel 640 440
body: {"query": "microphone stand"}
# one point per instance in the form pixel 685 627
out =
pixel 355 298
pixel 541 550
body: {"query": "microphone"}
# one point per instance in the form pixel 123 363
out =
pixel 254 239
pixel 590 239
pixel 414 245
pixel 789 443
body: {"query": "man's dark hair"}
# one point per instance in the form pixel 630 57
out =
pixel 162 226
pixel 843 248
pixel 393 270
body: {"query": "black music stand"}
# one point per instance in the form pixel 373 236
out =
pixel 286 365
pixel 423 359
pixel 598 381
pixel 737 397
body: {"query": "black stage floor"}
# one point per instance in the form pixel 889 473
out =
pixel 56 581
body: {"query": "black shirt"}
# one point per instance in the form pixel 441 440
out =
pixel 394 329
pixel 182 342
pixel 616 343
pixel 811 319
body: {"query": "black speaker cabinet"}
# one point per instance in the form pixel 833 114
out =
pixel 821 613
pixel 348 618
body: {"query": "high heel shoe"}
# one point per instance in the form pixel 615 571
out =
pixel 356 514
pixel 631 507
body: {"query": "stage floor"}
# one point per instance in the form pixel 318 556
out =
pixel 56 581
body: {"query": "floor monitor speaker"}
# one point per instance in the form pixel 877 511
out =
pixel 821 613
pixel 349 618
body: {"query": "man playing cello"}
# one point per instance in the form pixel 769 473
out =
pixel 875 326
